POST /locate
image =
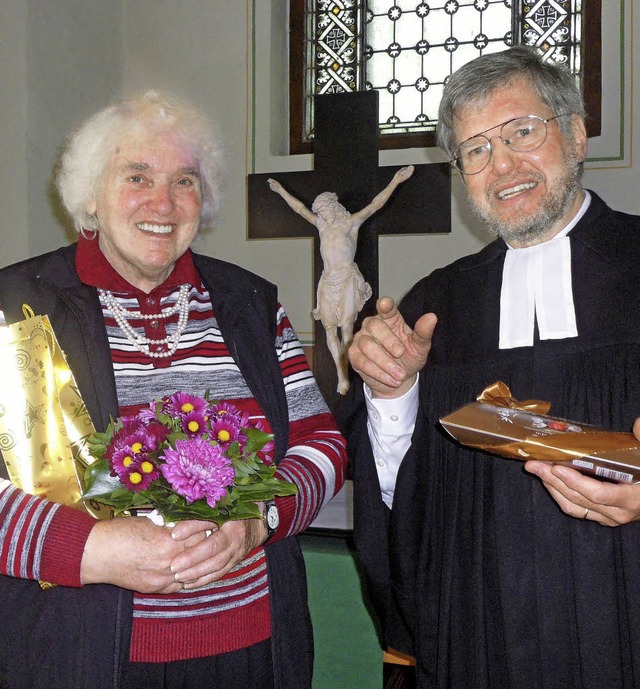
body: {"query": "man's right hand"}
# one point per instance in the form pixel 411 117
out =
pixel 387 353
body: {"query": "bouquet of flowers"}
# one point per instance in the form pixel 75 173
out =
pixel 188 458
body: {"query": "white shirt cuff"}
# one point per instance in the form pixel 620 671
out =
pixel 390 424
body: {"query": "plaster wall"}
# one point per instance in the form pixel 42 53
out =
pixel 60 61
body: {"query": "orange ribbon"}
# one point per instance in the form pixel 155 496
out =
pixel 499 395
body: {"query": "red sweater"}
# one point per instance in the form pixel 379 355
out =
pixel 234 612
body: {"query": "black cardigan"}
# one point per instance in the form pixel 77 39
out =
pixel 79 637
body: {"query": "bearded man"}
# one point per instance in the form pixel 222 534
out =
pixel 494 573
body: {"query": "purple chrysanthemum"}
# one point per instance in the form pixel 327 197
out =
pixel 195 469
pixel 181 403
pixel 227 411
pixel 139 438
pixel 122 460
pixel 155 435
pixel 224 431
pixel 148 413
pixel 139 475
pixel 131 425
pixel 194 423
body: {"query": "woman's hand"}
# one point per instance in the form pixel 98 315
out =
pixel 221 549
pixel 133 553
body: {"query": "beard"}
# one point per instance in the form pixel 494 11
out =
pixel 527 229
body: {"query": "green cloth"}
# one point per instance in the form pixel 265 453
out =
pixel 347 652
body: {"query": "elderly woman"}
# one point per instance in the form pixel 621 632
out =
pixel 139 316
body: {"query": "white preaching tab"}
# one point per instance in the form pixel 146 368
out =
pixel 536 285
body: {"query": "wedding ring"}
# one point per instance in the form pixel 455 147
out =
pixel 586 513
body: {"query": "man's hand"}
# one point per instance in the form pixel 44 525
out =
pixel 210 559
pixel 387 354
pixel 610 504
pixel 133 553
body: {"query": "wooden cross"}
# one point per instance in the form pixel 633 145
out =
pixel 346 162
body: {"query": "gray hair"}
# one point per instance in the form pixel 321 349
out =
pixel 89 149
pixel 476 81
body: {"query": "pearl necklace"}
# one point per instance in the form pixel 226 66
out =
pixel 141 343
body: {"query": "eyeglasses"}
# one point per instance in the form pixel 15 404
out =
pixel 521 134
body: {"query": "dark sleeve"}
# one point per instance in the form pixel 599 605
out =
pixel 372 518
pixel 371 523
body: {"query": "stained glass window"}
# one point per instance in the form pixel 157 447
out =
pixel 405 49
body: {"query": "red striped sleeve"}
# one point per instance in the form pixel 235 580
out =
pixel 41 539
pixel 316 459
pixel 315 462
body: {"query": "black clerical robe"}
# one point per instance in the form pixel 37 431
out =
pixel 493 586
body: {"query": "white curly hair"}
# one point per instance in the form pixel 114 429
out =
pixel 90 147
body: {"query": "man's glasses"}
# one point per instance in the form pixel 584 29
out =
pixel 521 134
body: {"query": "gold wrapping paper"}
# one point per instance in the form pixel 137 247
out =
pixel 43 420
pixel 500 424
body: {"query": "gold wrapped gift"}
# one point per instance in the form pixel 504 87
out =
pixel 500 424
pixel 43 420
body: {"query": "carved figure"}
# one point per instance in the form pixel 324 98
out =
pixel 342 290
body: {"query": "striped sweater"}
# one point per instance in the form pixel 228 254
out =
pixel 233 612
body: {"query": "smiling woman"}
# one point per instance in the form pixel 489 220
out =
pixel 91 147
pixel 147 207
pixel 141 318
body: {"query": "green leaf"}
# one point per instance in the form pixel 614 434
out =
pixel 177 435
pixel 98 480
pixel 256 439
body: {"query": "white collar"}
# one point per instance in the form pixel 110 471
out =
pixel 536 285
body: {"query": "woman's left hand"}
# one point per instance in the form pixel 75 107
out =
pixel 583 497
pixel 209 559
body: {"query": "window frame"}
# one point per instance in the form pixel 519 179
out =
pixel 591 61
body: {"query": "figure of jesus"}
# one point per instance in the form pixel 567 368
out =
pixel 342 290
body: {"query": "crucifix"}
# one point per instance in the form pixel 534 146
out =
pixel 346 163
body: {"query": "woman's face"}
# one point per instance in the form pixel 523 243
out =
pixel 148 207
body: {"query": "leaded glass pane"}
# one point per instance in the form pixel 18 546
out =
pixel 333 49
pixel 405 49
pixel 555 28
pixel 412 47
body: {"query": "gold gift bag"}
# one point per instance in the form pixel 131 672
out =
pixel 43 420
